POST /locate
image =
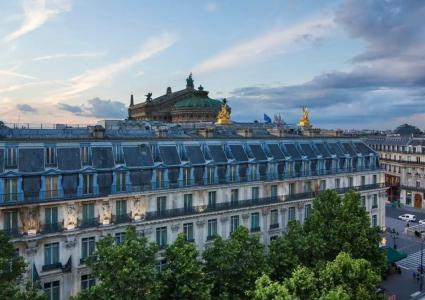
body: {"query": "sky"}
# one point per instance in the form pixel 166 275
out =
pixel 354 63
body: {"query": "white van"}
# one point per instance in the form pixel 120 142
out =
pixel 408 218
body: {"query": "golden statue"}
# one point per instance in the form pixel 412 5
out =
pixel 304 121
pixel 223 116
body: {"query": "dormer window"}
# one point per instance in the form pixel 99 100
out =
pixel 85 155
pixel 118 154
pixel 12 157
pixel 50 156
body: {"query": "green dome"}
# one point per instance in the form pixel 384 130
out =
pixel 197 102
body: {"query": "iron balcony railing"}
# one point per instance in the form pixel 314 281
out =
pixel 412 188
pixel 124 218
pixel 90 222
pixel 103 191
pixel 52 227
pixel 50 267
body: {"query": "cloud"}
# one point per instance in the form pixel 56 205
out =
pixel 97 108
pixel 14 74
pixel 96 77
pixel 385 83
pixel 69 55
pixel 26 108
pixel 266 44
pixel 36 13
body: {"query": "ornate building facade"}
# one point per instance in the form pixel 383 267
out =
pixel 189 105
pixel 403 159
pixel 61 190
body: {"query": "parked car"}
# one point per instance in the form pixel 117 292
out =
pixel 422 221
pixel 408 218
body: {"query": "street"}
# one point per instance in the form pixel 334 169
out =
pixel 404 284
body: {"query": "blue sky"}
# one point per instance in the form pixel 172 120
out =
pixel 354 63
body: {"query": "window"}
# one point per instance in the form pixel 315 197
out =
pixel 374 220
pixel 87 281
pixel 210 175
pixel 418 184
pixel 52 290
pixel 255 222
pixel 188 231
pixel 121 181
pixel 274 222
pixel 50 156
pixel 51 219
pixel 161 265
pixel 10 220
pixel 273 191
pixel 121 209
pixel 87 247
pixel 337 183
pixel 350 181
pixel 375 201
pixel 186 176
pixel 85 155
pixel 253 171
pixel 234 223
pixel 161 204
pixel 212 198
pixel 11 189
pixel 119 238
pixel 118 154
pixel 374 179
pixel 212 228
pixel 307 185
pixel 291 188
pixel 409 198
pixel 161 237
pixel 234 196
pixel 51 254
pixel 88 214
pixel 12 157
pixel 188 205
pixel 322 185
pixel 363 180
pixel 291 214
pixel 160 178
pixel 51 187
pixel 233 172
pixel 87 184
pixel 255 193
pixel 363 201
pixel 418 159
pixel 307 210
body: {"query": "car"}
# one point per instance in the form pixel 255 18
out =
pixel 422 222
pixel 408 218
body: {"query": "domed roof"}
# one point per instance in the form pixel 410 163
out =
pixel 197 102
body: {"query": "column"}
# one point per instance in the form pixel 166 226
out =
pixel 283 218
pixel 265 227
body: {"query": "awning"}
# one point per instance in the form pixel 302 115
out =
pixel 394 256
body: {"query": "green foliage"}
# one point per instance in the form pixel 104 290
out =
pixel 183 277
pixel 12 267
pixel 125 271
pixel 233 265
pixel 345 278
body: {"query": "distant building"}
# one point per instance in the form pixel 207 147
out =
pixel 189 105
pixel 403 159
pixel 61 190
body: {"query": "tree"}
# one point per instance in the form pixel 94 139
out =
pixel 233 265
pixel 12 268
pixel 344 278
pixel 286 252
pixel 125 271
pixel 407 130
pixel 183 277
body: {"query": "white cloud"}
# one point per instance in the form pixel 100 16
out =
pixel 36 13
pixel 14 74
pixel 275 40
pixel 96 77
pixel 69 55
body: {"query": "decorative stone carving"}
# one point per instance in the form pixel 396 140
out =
pixel 300 205
pixel 265 212
pixel 106 213
pixel 32 248
pixel 71 216
pixel 283 210
pixel 200 223
pixel 224 219
pixel 70 242
pixel 175 227
pixel 148 230
pixel 30 218
pixel 137 209
pixel 245 216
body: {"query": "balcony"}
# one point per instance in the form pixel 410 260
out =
pixel 103 191
pixel 51 267
pixel 52 227
pixel 255 229
pixel 211 237
pixel 87 223
pixel 13 232
pixel 274 226
pixel 118 219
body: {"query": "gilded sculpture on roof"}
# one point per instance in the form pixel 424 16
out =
pixel 304 120
pixel 223 116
